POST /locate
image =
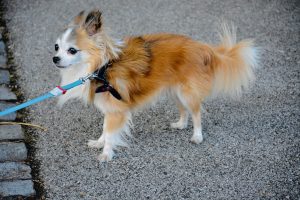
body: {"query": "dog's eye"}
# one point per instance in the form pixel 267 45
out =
pixel 72 51
pixel 56 47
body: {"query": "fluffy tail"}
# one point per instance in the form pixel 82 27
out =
pixel 235 63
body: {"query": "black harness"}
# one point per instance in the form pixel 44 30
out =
pixel 100 75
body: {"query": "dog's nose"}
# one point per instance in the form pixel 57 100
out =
pixel 56 59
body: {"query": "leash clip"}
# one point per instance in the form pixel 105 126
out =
pixel 88 77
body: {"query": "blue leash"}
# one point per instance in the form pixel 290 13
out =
pixel 57 91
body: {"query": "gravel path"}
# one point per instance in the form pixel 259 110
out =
pixel 251 146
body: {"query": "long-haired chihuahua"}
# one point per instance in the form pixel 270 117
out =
pixel 136 70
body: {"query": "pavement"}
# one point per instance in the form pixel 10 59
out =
pixel 251 145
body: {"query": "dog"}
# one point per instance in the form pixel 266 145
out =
pixel 138 69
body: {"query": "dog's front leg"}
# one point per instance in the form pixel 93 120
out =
pixel 115 130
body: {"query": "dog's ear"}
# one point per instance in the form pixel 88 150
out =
pixel 93 22
pixel 78 20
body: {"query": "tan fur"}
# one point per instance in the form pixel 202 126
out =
pixel 114 121
pixel 150 63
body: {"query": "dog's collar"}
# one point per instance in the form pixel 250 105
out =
pixel 100 75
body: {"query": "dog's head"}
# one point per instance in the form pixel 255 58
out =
pixel 80 42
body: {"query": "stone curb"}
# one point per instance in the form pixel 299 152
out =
pixel 12 151
pixel 16 188
pixel 15 175
pixel 4 76
pixel 11 132
pixel 9 117
pixel 6 94
pixel 14 170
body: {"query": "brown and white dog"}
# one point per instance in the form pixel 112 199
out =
pixel 142 68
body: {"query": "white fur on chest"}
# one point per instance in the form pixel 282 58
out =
pixel 69 76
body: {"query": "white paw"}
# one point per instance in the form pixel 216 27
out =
pixel 105 157
pixel 95 144
pixel 179 125
pixel 196 139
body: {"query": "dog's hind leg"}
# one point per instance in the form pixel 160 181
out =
pixel 197 135
pixel 184 115
pixel 115 130
pixel 191 100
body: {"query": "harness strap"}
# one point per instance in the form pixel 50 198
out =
pixel 109 88
pixel 100 75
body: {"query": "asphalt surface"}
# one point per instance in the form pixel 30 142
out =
pixel 251 145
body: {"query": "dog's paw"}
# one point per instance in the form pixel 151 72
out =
pixel 196 139
pixel 178 125
pixel 95 144
pixel 105 157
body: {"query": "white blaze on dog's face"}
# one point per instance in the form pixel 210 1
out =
pixel 74 46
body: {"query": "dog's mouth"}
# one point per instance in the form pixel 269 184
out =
pixel 62 67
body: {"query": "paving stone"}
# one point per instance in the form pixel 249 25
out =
pixel 2 29
pixel 1 33
pixel 10 151
pixel 3 61
pixel 4 76
pixel 16 188
pixel 11 132
pixel 6 94
pixel 9 117
pixel 2 48
pixel 14 170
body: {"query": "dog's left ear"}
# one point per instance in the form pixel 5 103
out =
pixel 93 22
